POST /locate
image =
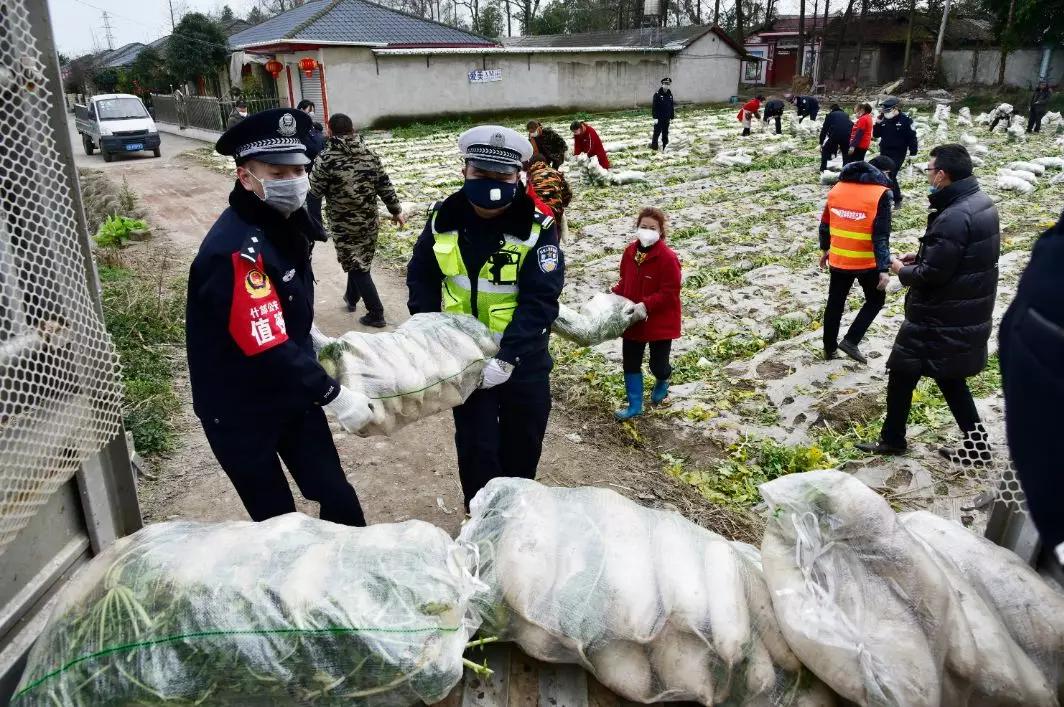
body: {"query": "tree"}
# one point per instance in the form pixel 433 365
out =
pixel 272 8
pixel 196 48
pixel 801 36
pixel 226 14
pixel 256 16
pixel 106 80
pixel 909 39
pixel 149 73
pixel 860 39
pixel 739 21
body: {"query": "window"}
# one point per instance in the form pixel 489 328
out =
pixel 119 108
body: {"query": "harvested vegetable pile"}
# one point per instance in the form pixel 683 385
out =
pixel 432 362
pixel 905 611
pixel 289 611
pixel 604 317
pixel 654 606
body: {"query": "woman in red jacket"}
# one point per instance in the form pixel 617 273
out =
pixel 650 277
pixel 860 135
pixel 587 141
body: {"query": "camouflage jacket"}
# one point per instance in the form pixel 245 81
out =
pixel 349 177
pixel 552 146
pixel 550 186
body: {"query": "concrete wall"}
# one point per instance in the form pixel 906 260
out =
pixel 1021 67
pixel 369 87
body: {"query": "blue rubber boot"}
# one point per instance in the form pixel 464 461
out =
pixel 661 390
pixel 633 386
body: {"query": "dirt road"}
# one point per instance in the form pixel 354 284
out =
pixel 171 145
pixel 409 475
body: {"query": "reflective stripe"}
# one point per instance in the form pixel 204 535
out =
pixel 851 234
pixel 483 285
pixel 858 254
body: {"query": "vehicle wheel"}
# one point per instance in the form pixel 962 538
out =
pixel 107 156
pixel 87 142
pixel 157 152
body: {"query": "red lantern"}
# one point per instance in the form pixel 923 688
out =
pixel 274 67
pixel 307 66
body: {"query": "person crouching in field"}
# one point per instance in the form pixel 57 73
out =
pixel 650 277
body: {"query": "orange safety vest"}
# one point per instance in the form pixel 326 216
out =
pixel 851 211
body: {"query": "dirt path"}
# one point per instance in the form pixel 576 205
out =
pixel 409 475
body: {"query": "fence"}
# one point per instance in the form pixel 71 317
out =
pixel 204 111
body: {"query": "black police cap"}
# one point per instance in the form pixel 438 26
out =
pixel 274 136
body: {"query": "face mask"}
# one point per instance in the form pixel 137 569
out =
pixel 933 188
pixel 285 195
pixel 891 113
pixel 647 236
pixel 489 193
pixel 242 113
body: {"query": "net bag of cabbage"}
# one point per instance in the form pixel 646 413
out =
pixel 874 612
pixel 654 606
pixel 292 610
pixel 430 363
pixel 605 317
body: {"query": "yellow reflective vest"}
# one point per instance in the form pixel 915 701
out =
pixel 496 283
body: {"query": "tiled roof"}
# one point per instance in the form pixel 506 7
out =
pixel 123 56
pixel 893 28
pixel 671 38
pixel 353 22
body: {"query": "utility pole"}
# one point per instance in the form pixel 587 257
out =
pixel 941 35
pixel 107 30
pixel 173 26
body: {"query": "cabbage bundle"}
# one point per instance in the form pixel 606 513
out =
pixel 431 362
pixel 605 317
pixel 884 616
pixel 654 606
pixel 292 610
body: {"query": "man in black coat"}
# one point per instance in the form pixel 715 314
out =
pixel 664 110
pixel 774 109
pixel 1032 373
pixel 1039 106
pixel 897 138
pixel 806 106
pixel 257 386
pixel 952 283
pixel 834 134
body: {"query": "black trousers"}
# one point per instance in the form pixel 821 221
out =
pixel 857 156
pixel 360 286
pixel 997 120
pixel 779 124
pixel 838 290
pixel 251 454
pixel 899 160
pixel 499 432
pixel 828 150
pixel 661 127
pixel 314 207
pixel 900 387
pixel 1034 121
pixel 632 356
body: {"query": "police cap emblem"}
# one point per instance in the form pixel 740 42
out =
pixel 498 140
pixel 286 126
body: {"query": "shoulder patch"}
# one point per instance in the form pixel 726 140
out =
pixel 544 220
pixel 548 257
pixel 251 247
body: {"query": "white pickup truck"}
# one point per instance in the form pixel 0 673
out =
pixel 116 123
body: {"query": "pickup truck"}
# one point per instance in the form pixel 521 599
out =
pixel 116 123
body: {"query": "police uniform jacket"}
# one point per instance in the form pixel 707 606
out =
pixel 248 317
pixel 896 135
pixel 540 280
pixel 664 107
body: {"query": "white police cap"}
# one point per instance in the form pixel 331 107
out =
pixel 495 148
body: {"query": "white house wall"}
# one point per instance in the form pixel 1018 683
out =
pixel 370 88
pixel 1021 67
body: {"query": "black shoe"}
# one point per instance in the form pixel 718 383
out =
pixel 350 307
pixel 880 447
pixel 852 351
pixel 897 204
pixel 831 355
pixel 653 147
pixel 373 320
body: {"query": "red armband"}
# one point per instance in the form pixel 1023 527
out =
pixel 256 321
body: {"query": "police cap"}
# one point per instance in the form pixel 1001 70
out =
pixel 274 136
pixel 494 148
pixel 667 81
pixel 891 102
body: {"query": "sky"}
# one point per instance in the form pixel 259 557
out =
pixel 78 24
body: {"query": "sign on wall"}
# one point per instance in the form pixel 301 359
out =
pixel 485 75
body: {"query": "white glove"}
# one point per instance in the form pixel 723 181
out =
pixel 317 339
pixel 655 121
pixel 496 372
pixel 641 312
pixel 352 410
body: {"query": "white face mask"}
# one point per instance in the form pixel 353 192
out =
pixel 285 195
pixel 891 113
pixel 647 236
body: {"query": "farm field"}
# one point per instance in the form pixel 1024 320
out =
pixel 752 397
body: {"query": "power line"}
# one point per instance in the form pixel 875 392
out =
pixel 189 37
pixel 107 31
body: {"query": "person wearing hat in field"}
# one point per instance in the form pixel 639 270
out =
pixel 805 106
pixel 897 138
pixel 586 141
pixel 663 110
pixel 487 251
pixel 774 109
pixel 750 110
pixel 545 141
pixel 257 386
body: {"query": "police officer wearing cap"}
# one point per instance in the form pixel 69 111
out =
pixel 663 109
pixel 896 138
pixel 257 386
pixel 489 252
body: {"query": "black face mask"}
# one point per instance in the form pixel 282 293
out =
pixel 489 193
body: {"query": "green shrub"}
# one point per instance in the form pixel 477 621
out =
pixel 116 230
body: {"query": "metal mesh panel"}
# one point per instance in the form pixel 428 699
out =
pixel 983 459
pixel 60 399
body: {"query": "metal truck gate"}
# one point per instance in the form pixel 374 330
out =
pixel 66 488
